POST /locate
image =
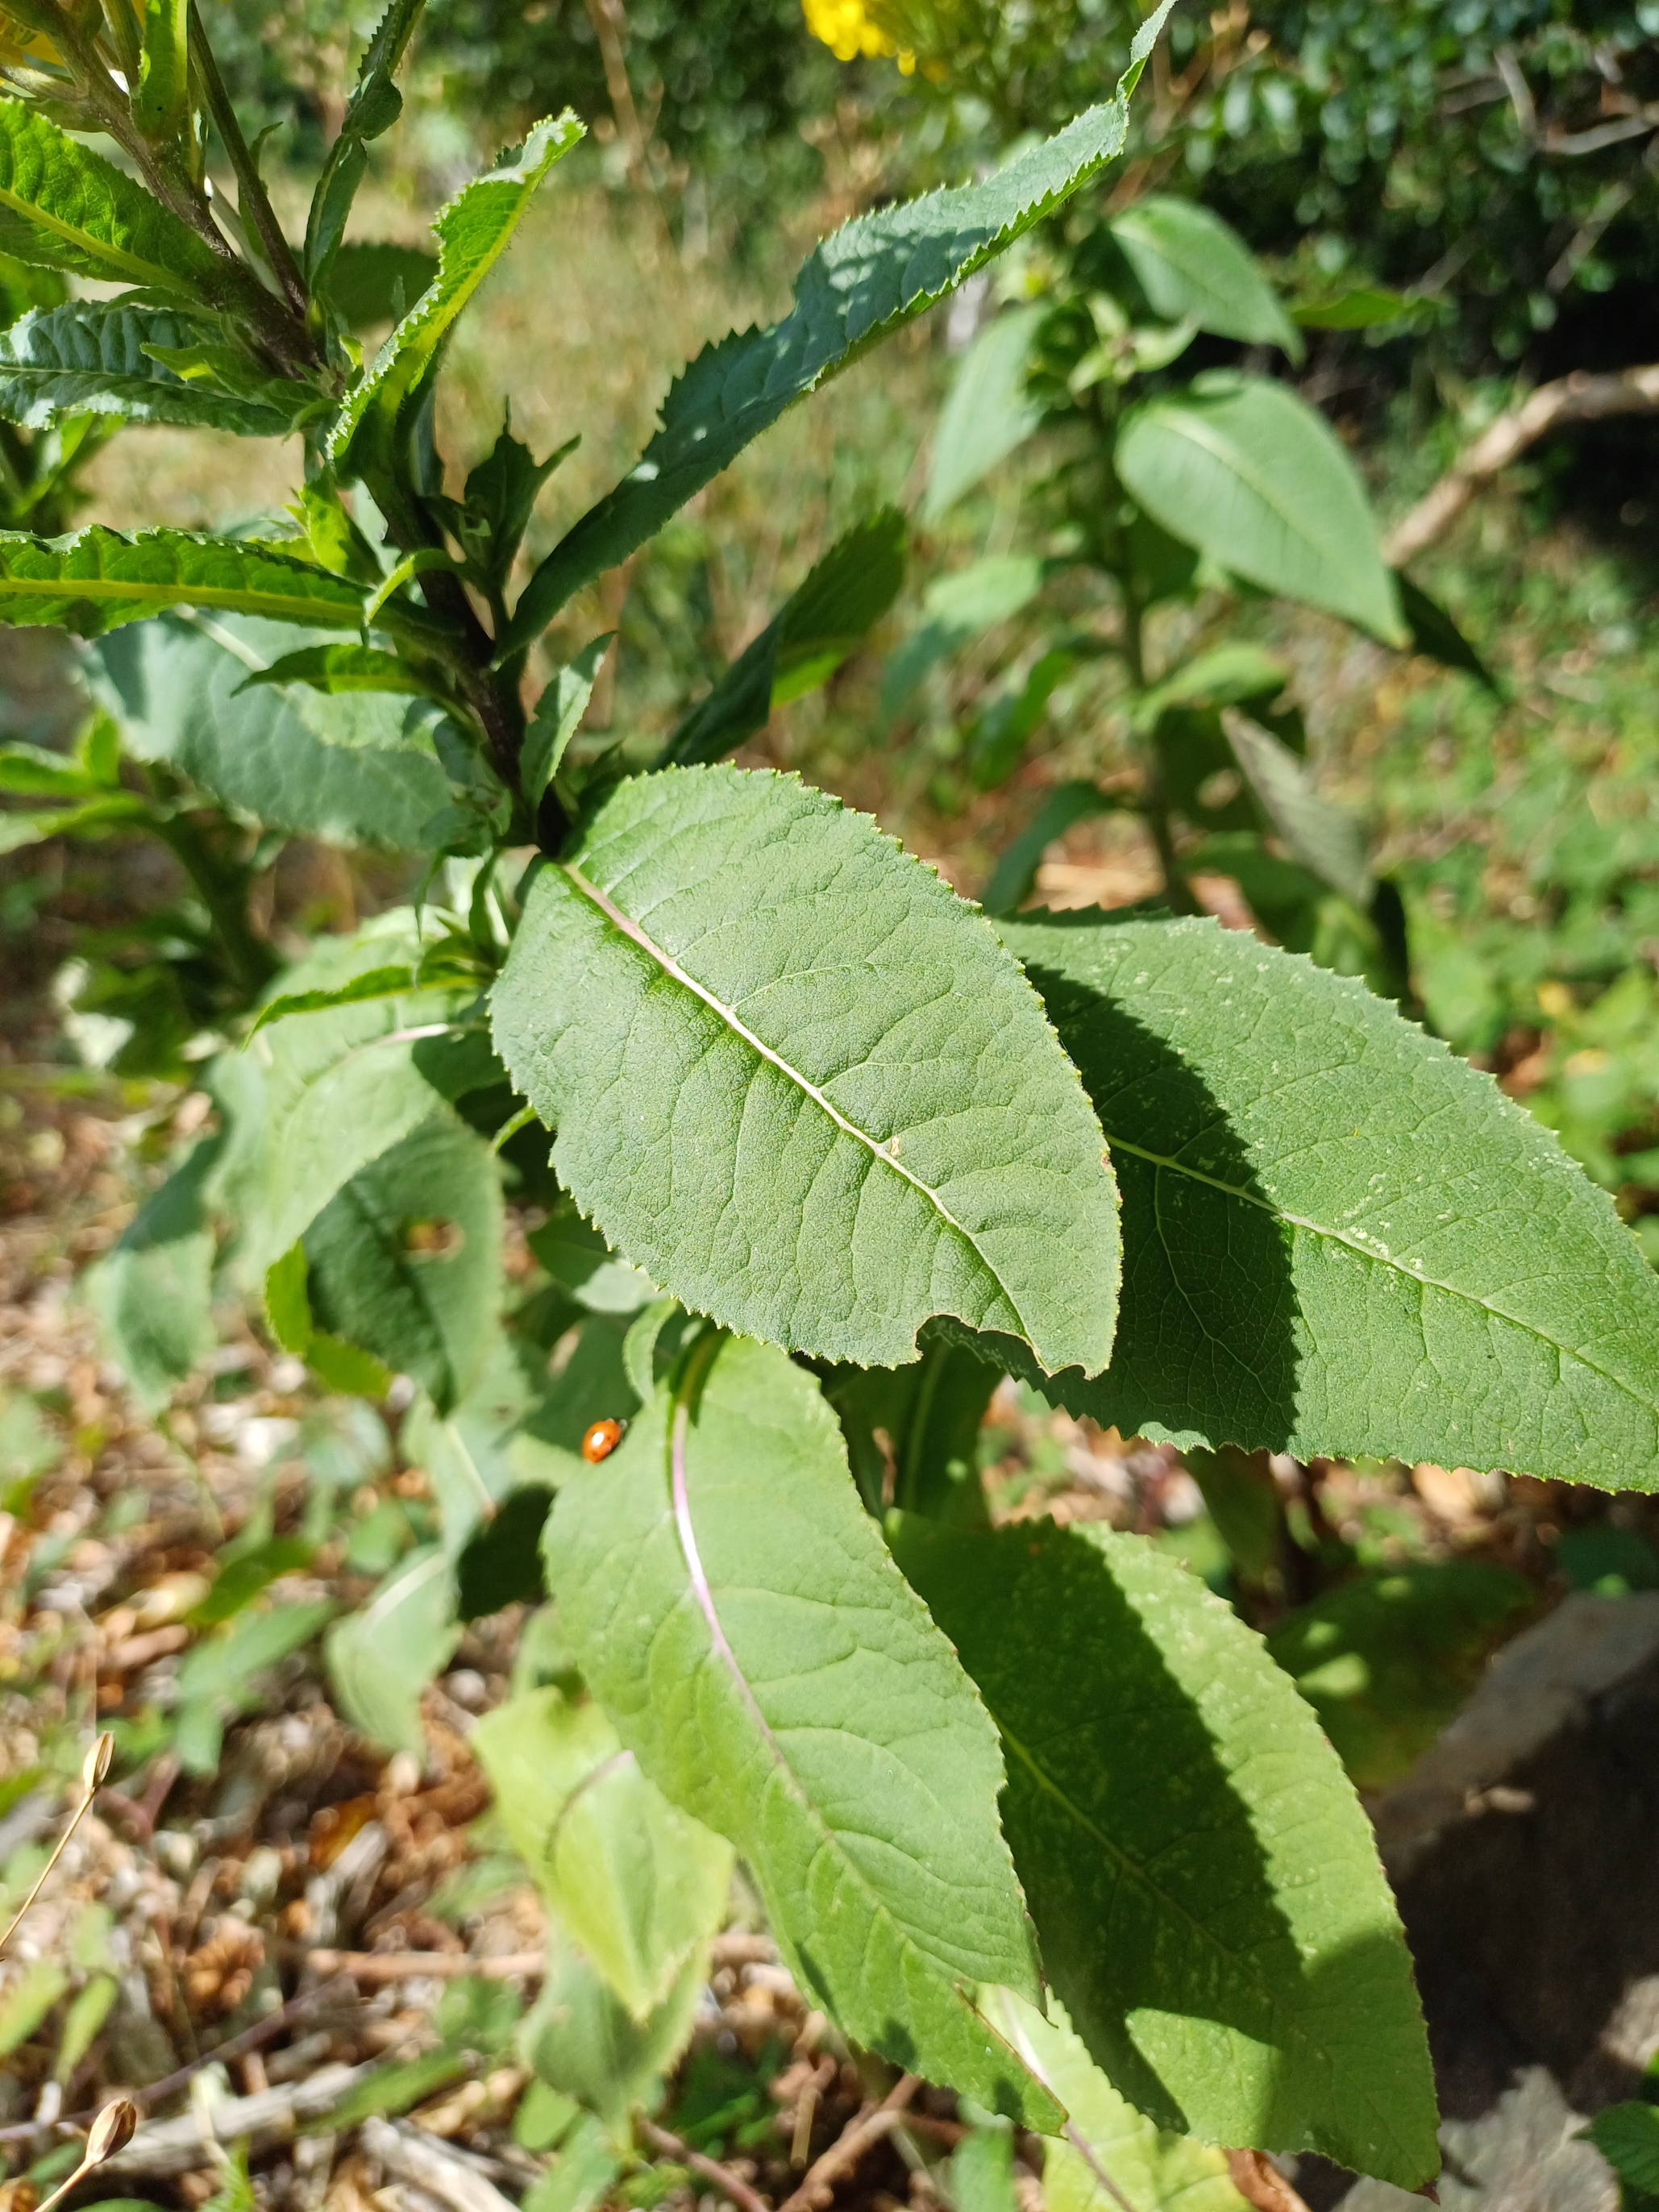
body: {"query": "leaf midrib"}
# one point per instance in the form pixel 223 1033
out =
pixel 671 968
pixel 95 249
pixel 1134 1871
pixel 1352 1243
pixel 1190 424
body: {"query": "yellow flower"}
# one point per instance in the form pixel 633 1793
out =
pixel 844 27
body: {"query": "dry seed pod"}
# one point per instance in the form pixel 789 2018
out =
pixel 111 2130
pixel 96 1764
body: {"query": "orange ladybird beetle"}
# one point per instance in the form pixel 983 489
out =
pixel 600 1441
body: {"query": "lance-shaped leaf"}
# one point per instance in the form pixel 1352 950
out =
pixel 803 644
pixel 339 768
pixel 379 1660
pixel 1204 1883
pixel 873 274
pixel 404 1259
pixel 68 207
pixel 1109 2158
pixel 342 667
pixel 99 579
pixel 1254 478
pixel 1323 837
pixel 472 233
pixel 152 1295
pixel 374 105
pixel 1193 267
pixel 641 1885
pixel 989 413
pixel 796 1080
pixel 734 1609
pixel 1337 1238
pixel 93 358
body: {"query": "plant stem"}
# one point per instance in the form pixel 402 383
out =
pixel 254 198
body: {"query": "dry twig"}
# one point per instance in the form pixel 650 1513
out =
pixel 1579 397
pixel 425 2162
pixel 729 2184
pixel 408 1966
pixel 861 2133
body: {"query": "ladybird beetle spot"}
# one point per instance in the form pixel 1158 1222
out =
pixel 600 1441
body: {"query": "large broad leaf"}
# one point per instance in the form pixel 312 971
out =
pixel 1337 1238
pixel 66 207
pixel 1323 837
pixel 473 231
pixel 404 1259
pixel 796 1080
pixel 1193 267
pixel 989 413
pixel 93 358
pixel 732 1606
pixel 152 1294
pixel 1110 2158
pixel 347 769
pixel 1204 1883
pixel 874 274
pixel 99 579
pixel 641 1885
pixel 1251 475
pixel 803 644
pixel 339 1087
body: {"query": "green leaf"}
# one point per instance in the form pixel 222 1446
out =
pixel 73 210
pixel 160 104
pixel 874 274
pixel 473 231
pixel 379 1660
pixel 342 667
pixel 577 1258
pixel 732 1607
pixel 640 1885
pixel 912 1432
pixel 1387 1660
pixel 500 1562
pixel 99 579
pixel 1256 479
pixel 1204 1883
pixel 1339 1239
pixel 1323 837
pixel 340 1087
pixel 1437 636
pixel 1360 307
pixel 349 770
pixel 1015 873
pixel 581 2039
pixel 404 1259
pixel 558 713
pixel 85 2016
pixel 352 770
pixel 500 498
pixel 33 772
pixel 374 105
pixel 843 1113
pixel 1194 268
pixel 1627 2137
pixel 372 283
pixel 226 1667
pixel 1110 2159
pixel 803 644
pixel 989 415
pixel 392 2089
pixel 375 983
pixel 92 357
pixel 152 1295
pixel 31 1997
pixel 960 607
